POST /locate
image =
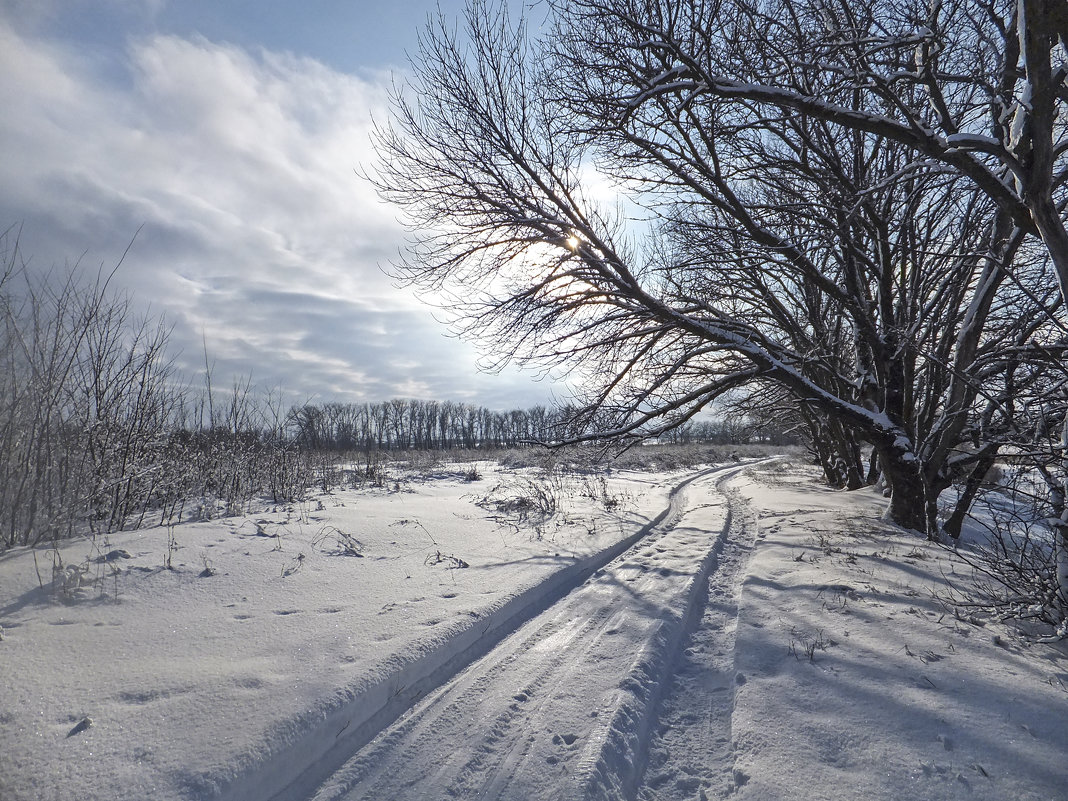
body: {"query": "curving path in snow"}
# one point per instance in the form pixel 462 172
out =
pixel 563 706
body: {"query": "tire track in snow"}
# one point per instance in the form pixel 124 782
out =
pixel 623 757
pixel 562 707
pixel 690 754
pixel 354 719
pixel 474 703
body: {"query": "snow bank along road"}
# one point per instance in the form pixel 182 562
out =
pixel 562 707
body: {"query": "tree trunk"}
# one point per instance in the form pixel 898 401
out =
pixel 849 453
pixel 1061 530
pixel 837 451
pixel 953 524
pixel 909 507
pixel 1061 526
pixel 1043 21
pixel 820 446
pixel 873 468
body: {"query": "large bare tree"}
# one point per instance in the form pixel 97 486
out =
pixel 748 241
pixel 976 87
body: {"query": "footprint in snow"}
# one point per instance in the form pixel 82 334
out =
pixel 564 739
pixel 142 697
pixel 84 725
pixel 688 785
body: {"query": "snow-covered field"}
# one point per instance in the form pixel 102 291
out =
pixel 657 636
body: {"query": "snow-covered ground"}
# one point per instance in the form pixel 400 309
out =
pixel 854 681
pixel 201 684
pixel 660 636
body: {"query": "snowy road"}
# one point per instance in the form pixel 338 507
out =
pixel 563 707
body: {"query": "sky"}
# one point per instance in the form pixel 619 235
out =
pixel 222 141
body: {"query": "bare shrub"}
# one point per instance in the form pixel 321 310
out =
pixel 524 498
pixel 98 433
pixel 86 394
pixel 1015 558
pixel 451 562
pixel 1016 576
pixel 806 643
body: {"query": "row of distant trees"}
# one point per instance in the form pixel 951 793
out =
pixel 414 424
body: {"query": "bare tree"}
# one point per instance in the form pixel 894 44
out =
pixel 772 247
pixel 976 87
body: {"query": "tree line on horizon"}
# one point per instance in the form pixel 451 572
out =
pixel 401 424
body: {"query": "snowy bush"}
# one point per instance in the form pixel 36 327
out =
pixel 1013 551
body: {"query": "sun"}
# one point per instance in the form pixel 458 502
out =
pixel 572 242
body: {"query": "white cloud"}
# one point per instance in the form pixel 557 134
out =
pixel 257 233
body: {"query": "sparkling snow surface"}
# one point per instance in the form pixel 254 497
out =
pixel 764 637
